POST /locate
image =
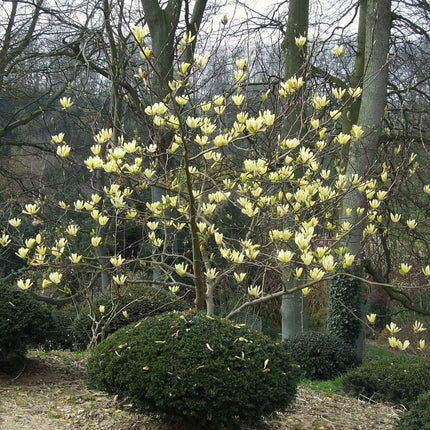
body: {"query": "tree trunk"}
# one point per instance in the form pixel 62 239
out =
pixel 293 308
pixel 362 153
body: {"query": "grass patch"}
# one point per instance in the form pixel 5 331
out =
pixel 330 387
pixel 373 351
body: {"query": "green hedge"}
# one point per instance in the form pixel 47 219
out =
pixel 24 323
pixel 399 380
pixel 202 371
pixel 418 415
pixel 320 355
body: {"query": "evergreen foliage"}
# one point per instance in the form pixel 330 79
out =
pixel 399 380
pixel 203 371
pixel 24 323
pixel 418 415
pixel 345 306
pixel 320 355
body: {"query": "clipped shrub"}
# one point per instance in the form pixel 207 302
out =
pixel 24 323
pixel 418 415
pixel 61 336
pixel 320 355
pixel 399 380
pixel 139 300
pixel 204 372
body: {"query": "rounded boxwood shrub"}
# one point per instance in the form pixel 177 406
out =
pixel 418 415
pixel 24 323
pixel 399 380
pixel 204 372
pixel 140 301
pixel 320 355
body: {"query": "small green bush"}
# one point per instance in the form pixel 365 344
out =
pixel 61 336
pixel 202 371
pixel 418 416
pixel 320 355
pixel 399 380
pixel 139 300
pixel 24 323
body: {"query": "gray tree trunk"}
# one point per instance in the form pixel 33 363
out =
pixel 362 154
pixel 293 308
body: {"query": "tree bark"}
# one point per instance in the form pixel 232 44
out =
pixel 362 154
pixel 293 308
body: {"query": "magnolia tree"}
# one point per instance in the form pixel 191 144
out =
pixel 227 154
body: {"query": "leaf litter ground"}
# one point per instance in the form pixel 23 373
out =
pixel 49 393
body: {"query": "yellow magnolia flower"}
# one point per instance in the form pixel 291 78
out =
pixel 255 291
pixel 422 344
pixel 371 318
pixel 404 268
pixel 30 209
pixel 181 269
pixel 75 258
pixel 72 230
pixel 117 261
pixel 239 276
pixel 102 309
pixel 426 271
pixel 238 99
pixel 95 241
pixel 125 314
pixel 4 240
pixel 402 346
pixel 140 32
pixel 300 41
pixel 55 277
pixel 15 222
pixel 298 272
pixel 392 341
pixel 392 328
pixel 418 327
pixel 411 223
pixel 66 102
pixel 395 217
pixel 306 291
pixel 24 285
pixel 316 274
pixel 355 92
pixel 22 253
pixel 338 93
pixel 285 256
pixel 357 132
pixel 57 139
pixel 63 151
pixel 29 243
pixel 174 289
pixel 241 63
pixel 211 273
pixel 103 220
pixel 119 280
pixel 45 283
pixel 338 50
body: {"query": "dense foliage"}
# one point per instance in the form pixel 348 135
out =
pixel 399 380
pixel 345 303
pixel 418 416
pixel 138 300
pixel 203 371
pixel 24 322
pixel 320 355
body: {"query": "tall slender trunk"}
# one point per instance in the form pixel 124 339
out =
pixel 363 153
pixel 293 308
